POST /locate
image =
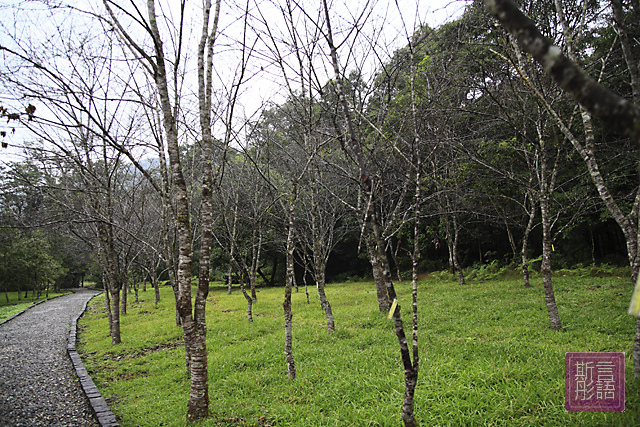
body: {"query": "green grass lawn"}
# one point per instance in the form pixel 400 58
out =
pixel 488 356
pixel 15 305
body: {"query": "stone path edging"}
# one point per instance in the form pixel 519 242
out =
pixel 99 405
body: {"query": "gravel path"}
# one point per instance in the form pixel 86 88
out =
pixel 38 383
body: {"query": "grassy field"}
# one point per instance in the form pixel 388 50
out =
pixel 15 305
pixel 488 356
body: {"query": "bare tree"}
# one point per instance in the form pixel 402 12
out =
pixel 616 111
pixel 244 201
pixel 325 223
pixel 192 316
pixel 82 125
pixel 366 182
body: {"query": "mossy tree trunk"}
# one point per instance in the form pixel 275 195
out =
pixel 525 237
pixel 191 319
pixel 378 278
pixel 288 287
pixel 373 224
pixel 547 178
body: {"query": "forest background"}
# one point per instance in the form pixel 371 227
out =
pixel 144 156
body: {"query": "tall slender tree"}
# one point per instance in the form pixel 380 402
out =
pixel 366 182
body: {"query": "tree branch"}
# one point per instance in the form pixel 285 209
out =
pixel 620 114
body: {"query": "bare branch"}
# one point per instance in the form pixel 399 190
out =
pixel 617 112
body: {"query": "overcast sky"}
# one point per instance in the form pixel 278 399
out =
pixel 396 19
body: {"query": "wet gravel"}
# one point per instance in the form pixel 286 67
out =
pixel 38 384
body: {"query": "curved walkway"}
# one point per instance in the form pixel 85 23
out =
pixel 38 383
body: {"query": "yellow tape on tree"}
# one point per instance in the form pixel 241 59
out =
pixel 393 308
